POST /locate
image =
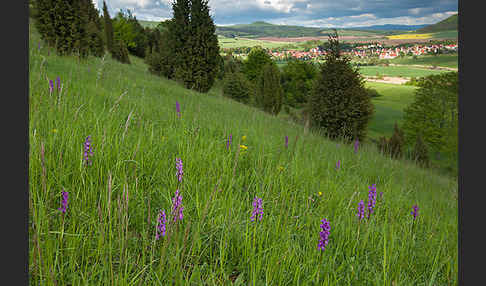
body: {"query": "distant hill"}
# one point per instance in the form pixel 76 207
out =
pixel 389 27
pixel 263 29
pixel 444 25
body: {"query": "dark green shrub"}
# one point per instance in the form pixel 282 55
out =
pixel 120 51
pixel 420 152
pixel 372 92
pixel 269 94
pixel 393 146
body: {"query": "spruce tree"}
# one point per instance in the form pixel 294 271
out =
pixel 66 27
pixel 338 102
pixel 44 20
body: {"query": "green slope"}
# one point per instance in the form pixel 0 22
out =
pixel 442 26
pixel 107 235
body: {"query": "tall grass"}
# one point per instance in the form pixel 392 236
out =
pixel 107 235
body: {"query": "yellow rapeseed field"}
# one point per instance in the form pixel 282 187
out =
pixel 409 36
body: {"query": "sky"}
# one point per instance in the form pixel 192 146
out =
pixel 309 13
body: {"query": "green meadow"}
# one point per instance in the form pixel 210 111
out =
pixel 397 71
pixel 388 107
pixel 107 234
pixel 445 60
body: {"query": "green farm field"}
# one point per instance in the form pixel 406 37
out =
pixel 245 42
pixel 397 71
pixel 445 60
pixel 107 236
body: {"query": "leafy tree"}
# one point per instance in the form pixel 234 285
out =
pixel 434 113
pixel 237 87
pixel 339 102
pixel 270 93
pixel 256 60
pixel 297 79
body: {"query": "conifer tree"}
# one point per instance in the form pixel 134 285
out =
pixel 43 14
pixel 179 50
pixel 108 28
pixel 204 48
pixel 338 102
pixel 65 25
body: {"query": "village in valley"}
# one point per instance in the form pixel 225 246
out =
pixel 362 51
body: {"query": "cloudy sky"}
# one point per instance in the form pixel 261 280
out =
pixel 310 13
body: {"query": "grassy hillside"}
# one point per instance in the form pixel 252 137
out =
pixel 107 235
pixel 149 24
pixel 444 25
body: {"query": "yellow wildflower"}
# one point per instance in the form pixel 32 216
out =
pixel 54 130
pixel 243 147
pixel 243 138
pixel 320 193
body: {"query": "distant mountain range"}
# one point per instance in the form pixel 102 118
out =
pixel 261 29
pixel 389 27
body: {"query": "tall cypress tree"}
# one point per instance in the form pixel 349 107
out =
pixel 179 34
pixel 204 46
pixel 108 28
pixel 188 48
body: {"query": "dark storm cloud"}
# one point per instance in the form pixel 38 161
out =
pixel 303 12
